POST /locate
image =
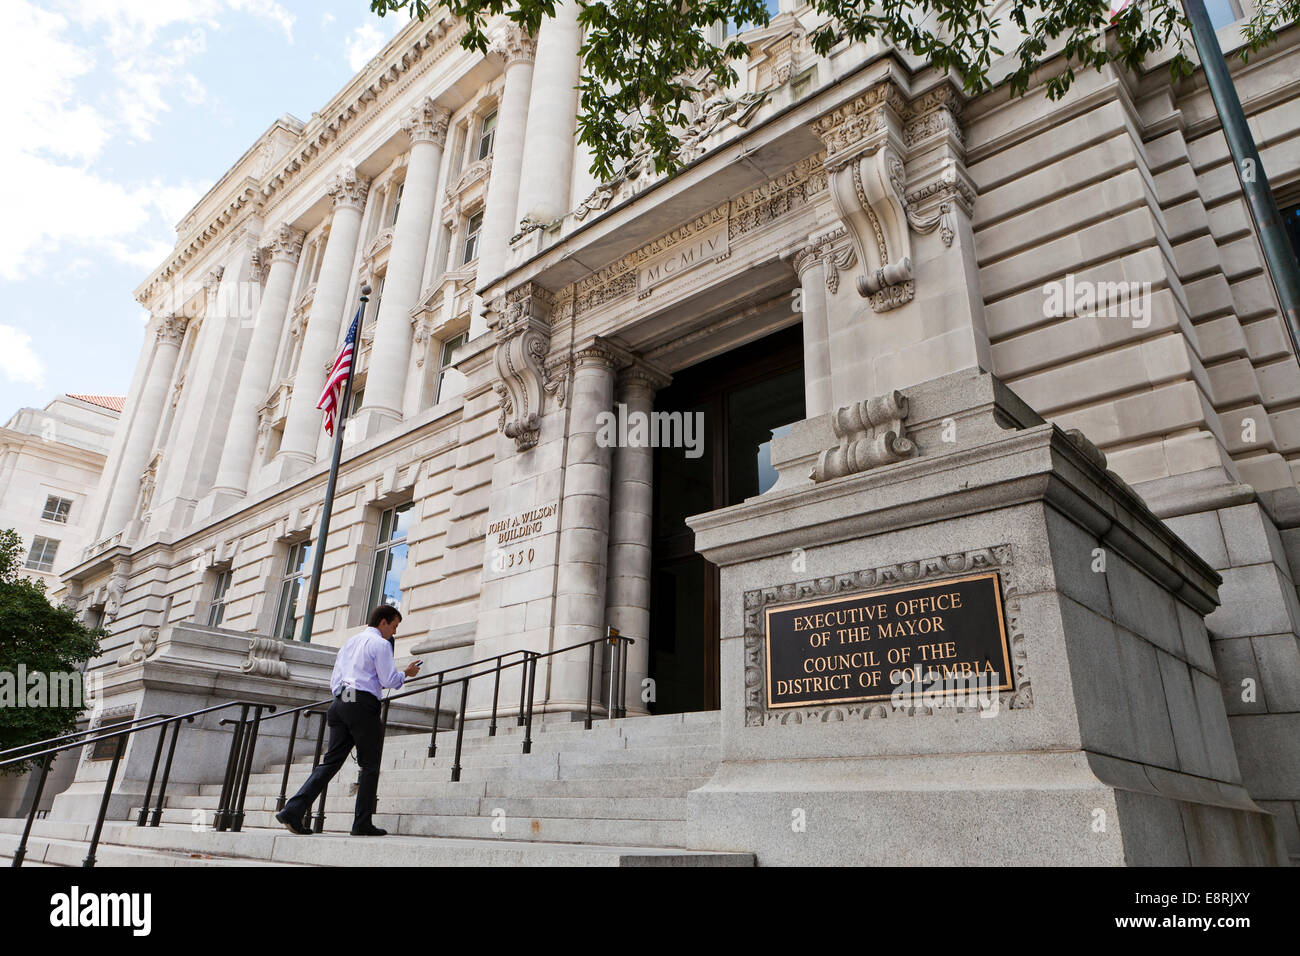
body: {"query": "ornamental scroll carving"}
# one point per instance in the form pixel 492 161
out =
pixel 867 141
pixel 523 335
pixel 870 433
pixel 997 558
pixel 265 658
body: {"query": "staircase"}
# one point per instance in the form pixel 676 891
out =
pixel 614 795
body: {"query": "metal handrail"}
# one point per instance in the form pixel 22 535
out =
pixel 239 763
pixel 14 751
pixel 120 734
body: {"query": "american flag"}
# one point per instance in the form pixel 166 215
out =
pixel 336 381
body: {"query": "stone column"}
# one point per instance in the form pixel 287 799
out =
pixel 321 339
pixel 552 119
pixel 499 222
pixel 627 587
pixel 584 533
pixel 812 268
pixel 390 354
pixel 144 428
pixel 241 439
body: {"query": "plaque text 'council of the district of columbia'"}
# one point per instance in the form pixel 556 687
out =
pixel 949 635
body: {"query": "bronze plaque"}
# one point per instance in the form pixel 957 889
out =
pixel 948 637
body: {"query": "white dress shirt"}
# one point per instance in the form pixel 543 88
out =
pixel 365 662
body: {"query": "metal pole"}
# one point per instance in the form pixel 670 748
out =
pixel 1279 258
pixel 318 556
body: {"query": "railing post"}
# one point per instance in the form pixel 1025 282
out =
pixel 153 774
pixel 246 769
pixel 288 762
pixel 21 853
pixel 318 825
pixel 591 668
pixel 611 636
pixel 222 821
pixel 523 690
pixel 460 728
pixel 622 687
pixel 496 690
pixel 156 819
pixel 437 714
pixel 531 666
pixel 89 861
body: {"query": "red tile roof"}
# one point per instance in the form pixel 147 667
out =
pixel 114 403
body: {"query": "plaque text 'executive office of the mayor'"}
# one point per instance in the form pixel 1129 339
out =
pixel 949 635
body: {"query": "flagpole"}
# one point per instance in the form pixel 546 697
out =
pixel 318 555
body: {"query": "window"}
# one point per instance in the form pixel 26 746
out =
pixel 1222 12
pixel 397 201
pixel 56 509
pixel 372 307
pixel 293 588
pixel 390 557
pixel 354 401
pixel 472 228
pixel 217 609
pixel 802 83
pixel 41 556
pixel 486 135
pixel 450 379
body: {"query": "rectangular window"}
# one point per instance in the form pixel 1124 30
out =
pixel 486 135
pixel 56 509
pixel 390 557
pixel 397 202
pixel 354 401
pixel 41 555
pixel 217 609
pixel 1222 12
pixel 472 227
pixel 802 83
pixel 451 381
pixel 372 307
pixel 293 590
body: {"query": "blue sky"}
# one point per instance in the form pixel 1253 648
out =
pixel 124 113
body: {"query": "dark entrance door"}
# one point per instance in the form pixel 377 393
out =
pixel 742 397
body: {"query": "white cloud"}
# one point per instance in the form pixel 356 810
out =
pixel 362 44
pixel 18 362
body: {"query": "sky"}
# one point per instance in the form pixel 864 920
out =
pixel 122 114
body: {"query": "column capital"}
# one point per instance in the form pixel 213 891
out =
pixel 515 46
pixel 349 190
pixel 642 377
pixel 597 355
pixel 285 244
pixel 427 123
pixel 171 330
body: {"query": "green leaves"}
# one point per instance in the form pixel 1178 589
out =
pixel 646 61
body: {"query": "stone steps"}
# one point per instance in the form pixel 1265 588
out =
pixel 667 807
pixel 155 845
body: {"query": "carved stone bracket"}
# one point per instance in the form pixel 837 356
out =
pixel 867 141
pixel 523 335
pixel 997 558
pixel 265 658
pixel 833 249
pixel 870 434
pixel 146 642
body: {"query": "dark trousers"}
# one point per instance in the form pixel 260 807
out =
pixel 351 723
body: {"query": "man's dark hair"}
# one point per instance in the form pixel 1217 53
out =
pixel 383 614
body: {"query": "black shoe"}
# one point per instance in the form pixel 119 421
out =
pixel 294 825
pixel 369 830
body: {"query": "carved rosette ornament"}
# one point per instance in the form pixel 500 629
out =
pixel 868 143
pixel 870 434
pixel 427 123
pixel 523 335
pixel 348 189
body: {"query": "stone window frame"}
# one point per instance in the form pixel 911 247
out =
pixel 481 134
pixel 935 569
pixel 282 555
pixel 382 547
pixel 218 596
pixel 57 515
pixel 363 562
pixel 452 340
pixel 464 259
pixel 45 562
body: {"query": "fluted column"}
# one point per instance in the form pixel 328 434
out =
pixel 241 439
pixel 390 354
pixel 321 339
pixel 627 588
pixel 811 267
pixel 584 534
pixel 144 426
pixel 552 118
pixel 499 222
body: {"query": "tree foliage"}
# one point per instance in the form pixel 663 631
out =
pixel 36 637
pixel 644 59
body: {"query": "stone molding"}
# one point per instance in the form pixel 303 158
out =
pixel 427 123
pixel 996 558
pixel 870 434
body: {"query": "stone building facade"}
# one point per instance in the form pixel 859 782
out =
pixel 845 228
